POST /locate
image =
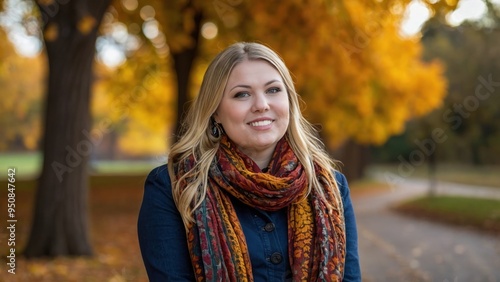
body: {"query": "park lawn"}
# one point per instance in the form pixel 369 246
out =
pixel 28 165
pixel 482 214
pixel 114 203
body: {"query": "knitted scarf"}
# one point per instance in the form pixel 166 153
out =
pixel 316 238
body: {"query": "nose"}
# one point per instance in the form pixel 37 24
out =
pixel 260 103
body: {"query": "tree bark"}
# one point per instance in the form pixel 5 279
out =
pixel 354 158
pixel 183 64
pixel 431 164
pixel 60 220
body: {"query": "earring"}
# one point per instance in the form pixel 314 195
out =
pixel 216 129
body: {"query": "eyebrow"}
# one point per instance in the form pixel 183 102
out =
pixel 248 86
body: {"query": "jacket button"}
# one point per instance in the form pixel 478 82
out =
pixel 276 258
pixel 269 227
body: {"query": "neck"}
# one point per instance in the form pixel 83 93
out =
pixel 262 164
pixel 261 158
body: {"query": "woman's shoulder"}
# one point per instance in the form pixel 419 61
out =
pixel 158 181
pixel 342 183
pixel 159 173
pixel 339 177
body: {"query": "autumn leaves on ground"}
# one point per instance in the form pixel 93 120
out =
pixel 114 204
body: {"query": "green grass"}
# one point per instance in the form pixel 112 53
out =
pixel 28 166
pixel 123 167
pixel 479 213
pixel 466 174
pixel 95 181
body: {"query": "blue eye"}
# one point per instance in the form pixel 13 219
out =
pixel 241 95
pixel 274 90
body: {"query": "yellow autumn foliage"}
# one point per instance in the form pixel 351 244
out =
pixel 21 81
pixel 137 99
pixel 359 78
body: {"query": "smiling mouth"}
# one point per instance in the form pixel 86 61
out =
pixel 261 123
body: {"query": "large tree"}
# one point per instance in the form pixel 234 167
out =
pixel 469 118
pixel 60 218
pixel 470 115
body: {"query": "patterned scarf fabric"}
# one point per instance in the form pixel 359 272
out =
pixel 315 232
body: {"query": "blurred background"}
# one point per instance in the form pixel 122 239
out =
pixel 406 95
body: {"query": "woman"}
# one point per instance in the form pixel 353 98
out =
pixel 249 193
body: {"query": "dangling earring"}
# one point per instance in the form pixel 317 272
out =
pixel 216 129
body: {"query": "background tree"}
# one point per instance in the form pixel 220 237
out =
pixel 60 214
pixel 469 115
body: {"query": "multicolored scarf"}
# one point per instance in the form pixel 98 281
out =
pixel 315 232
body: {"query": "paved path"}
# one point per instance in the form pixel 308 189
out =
pixel 394 247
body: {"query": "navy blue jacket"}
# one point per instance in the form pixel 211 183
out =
pixel 162 238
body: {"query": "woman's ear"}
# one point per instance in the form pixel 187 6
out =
pixel 215 117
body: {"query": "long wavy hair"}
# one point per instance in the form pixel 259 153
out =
pixel 197 141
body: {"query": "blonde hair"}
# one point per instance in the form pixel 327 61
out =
pixel 197 140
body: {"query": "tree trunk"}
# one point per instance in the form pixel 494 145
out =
pixel 354 158
pixel 183 64
pixel 432 174
pixel 60 220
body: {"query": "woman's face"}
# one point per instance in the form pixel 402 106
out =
pixel 254 110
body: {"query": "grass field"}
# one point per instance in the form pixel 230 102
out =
pixel 28 165
pixel 483 214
